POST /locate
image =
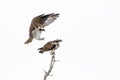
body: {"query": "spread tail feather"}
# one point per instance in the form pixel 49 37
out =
pixel 39 48
pixel 29 40
pixel 41 51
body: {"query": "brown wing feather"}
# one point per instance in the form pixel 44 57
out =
pixel 48 46
pixel 35 23
pixel 40 21
pixel 52 17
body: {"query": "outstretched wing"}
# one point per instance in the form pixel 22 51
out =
pixel 42 21
pixel 49 19
pixel 35 23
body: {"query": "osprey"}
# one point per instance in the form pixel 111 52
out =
pixel 50 46
pixel 37 25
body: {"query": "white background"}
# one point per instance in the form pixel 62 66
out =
pixel 90 30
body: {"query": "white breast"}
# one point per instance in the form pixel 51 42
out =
pixel 57 45
pixel 36 34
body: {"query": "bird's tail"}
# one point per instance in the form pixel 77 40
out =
pixel 41 51
pixel 29 40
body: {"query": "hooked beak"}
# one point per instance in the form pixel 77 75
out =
pixel 56 14
pixel 59 40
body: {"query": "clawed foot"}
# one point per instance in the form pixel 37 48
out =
pixel 42 38
pixel 52 52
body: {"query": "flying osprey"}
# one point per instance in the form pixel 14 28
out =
pixel 50 46
pixel 37 25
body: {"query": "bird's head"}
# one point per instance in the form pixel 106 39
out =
pixel 58 40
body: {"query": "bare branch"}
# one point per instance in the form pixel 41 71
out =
pixel 51 65
pixel 45 71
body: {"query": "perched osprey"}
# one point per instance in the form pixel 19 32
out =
pixel 37 25
pixel 50 46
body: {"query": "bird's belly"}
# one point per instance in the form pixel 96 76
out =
pixel 36 34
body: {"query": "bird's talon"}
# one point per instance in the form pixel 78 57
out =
pixel 42 38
